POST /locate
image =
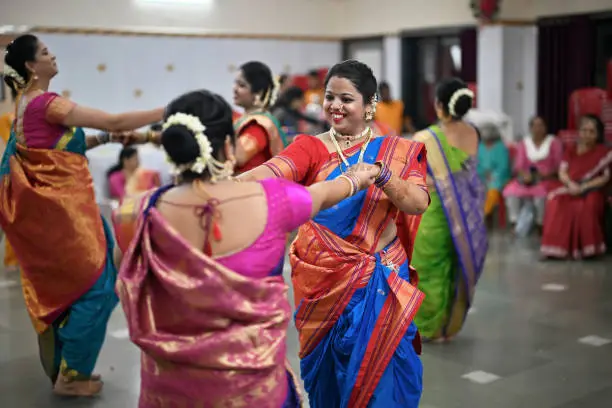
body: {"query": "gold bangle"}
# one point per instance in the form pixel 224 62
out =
pixel 351 184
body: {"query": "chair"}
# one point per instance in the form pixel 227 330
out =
pixel 585 101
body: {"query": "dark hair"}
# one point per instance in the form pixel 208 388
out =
pixel 359 74
pixel 444 93
pixel 383 85
pixel 21 50
pixel 259 76
pixel 126 153
pixel 282 78
pixel 214 113
pixel 156 127
pixel 536 117
pixel 599 126
pixel 290 95
pixel 313 73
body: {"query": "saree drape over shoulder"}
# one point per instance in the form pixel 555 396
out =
pixel 451 245
pixel 355 306
pixel 261 135
pixel 211 336
pixel 49 212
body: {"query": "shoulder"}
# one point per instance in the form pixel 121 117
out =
pixel 116 176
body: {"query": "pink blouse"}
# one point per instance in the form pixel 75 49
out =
pixel 289 206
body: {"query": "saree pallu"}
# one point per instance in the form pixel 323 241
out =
pixel 276 136
pixel 573 225
pixel 451 244
pixel 48 211
pixel 210 337
pixel 355 306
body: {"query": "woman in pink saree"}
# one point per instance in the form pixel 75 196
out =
pixel 201 275
pixel 127 178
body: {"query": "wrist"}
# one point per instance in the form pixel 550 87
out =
pixel 383 176
pixel 352 182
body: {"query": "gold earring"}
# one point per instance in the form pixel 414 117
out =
pixel 369 116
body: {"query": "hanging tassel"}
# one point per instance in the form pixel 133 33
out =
pixel 216 231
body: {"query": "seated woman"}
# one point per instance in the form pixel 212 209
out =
pixel 535 169
pixel 493 165
pixel 201 283
pixel 573 225
pixel 127 178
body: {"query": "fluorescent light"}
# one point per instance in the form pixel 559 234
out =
pixel 202 3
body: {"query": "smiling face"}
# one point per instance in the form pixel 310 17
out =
pixel 44 65
pixel 243 96
pixel 344 106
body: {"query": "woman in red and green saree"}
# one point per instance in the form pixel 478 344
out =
pixel 201 278
pixel 574 214
pixel 355 293
pixel 49 213
pixel 259 134
pixel 451 244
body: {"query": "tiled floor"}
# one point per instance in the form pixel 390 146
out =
pixel 538 337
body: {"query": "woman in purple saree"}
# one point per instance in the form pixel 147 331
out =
pixel 201 276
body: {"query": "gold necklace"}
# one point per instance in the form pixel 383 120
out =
pixel 348 140
pixel 361 151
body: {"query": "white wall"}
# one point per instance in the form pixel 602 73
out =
pixel 140 63
pixel 221 16
pixel 284 17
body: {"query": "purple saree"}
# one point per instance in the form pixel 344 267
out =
pixel 210 336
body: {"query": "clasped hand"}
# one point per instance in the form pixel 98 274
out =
pixel 364 173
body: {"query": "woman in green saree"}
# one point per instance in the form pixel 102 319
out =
pixel 451 243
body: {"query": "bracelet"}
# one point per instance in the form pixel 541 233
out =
pixel 103 138
pixel 352 183
pixel 384 176
pixel 150 137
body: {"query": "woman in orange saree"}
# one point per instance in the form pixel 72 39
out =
pixel 128 178
pixel 201 280
pixel 6 124
pixel 574 215
pixel 49 213
pixel 355 293
pixel 259 134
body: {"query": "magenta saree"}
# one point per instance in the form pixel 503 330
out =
pixel 210 336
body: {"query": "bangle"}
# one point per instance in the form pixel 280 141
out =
pixel 151 136
pixel 384 176
pixel 103 138
pixel 352 184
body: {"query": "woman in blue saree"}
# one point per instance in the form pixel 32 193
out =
pixel 49 213
pixel 451 244
pixel 354 291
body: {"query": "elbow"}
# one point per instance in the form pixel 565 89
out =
pixel 420 204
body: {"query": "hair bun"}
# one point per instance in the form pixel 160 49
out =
pixel 180 144
pixel 460 102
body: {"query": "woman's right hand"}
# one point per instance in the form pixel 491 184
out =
pixel 365 174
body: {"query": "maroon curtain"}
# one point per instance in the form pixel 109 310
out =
pixel 468 40
pixel 566 62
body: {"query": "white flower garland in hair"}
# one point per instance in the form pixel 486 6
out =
pixel 197 128
pixel 206 161
pixel 455 97
pixel 274 91
pixel 374 102
pixel 11 73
